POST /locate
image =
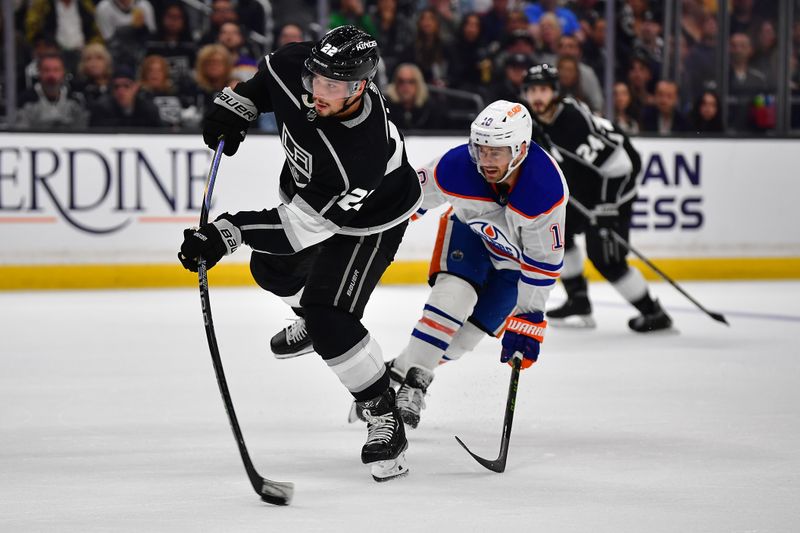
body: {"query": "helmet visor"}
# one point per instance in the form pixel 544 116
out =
pixel 327 88
pixel 493 161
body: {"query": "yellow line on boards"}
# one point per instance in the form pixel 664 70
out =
pixel 125 276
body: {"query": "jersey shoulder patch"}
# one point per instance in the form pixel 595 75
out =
pixel 540 187
pixel 457 175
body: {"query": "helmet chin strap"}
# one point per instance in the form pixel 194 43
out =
pixel 347 105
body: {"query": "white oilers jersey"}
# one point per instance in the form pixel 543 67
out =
pixel 523 231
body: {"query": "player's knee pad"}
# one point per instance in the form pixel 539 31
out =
pixel 631 285
pixel 573 263
pixel 453 296
pixel 332 331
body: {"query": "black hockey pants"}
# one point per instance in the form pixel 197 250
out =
pixel 607 256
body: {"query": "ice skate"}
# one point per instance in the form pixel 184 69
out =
pixel 386 437
pixel 395 380
pixel 656 320
pixel 291 341
pixel 411 396
pixel 575 313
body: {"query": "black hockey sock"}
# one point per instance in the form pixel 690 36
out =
pixel 646 305
pixel 577 288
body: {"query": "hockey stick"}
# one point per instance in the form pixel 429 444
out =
pixel 499 464
pixel 617 237
pixel 274 492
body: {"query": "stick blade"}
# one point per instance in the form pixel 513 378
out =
pixel 498 465
pixel 277 492
pixel 719 318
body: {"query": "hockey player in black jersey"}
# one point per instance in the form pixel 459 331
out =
pixel 601 167
pixel 347 193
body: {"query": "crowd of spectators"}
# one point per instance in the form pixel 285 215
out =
pixel 159 63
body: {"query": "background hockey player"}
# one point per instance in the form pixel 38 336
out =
pixel 601 167
pixel 499 249
pixel 347 193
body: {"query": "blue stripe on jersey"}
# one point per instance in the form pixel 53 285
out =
pixel 441 313
pixel 544 266
pixel 539 186
pixel 429 339
pixel 457 175
pixel 537 282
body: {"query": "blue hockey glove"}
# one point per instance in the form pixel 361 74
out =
pixel 524 333
pixel 210 242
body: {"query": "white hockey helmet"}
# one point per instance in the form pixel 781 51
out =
pixel 501 124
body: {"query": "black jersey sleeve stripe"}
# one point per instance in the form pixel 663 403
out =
pixel 336 159
pixel 280 82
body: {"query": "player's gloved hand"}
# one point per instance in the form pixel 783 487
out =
pixel 210 242
pixel 604 215
pixel 524 333
pixel 229 118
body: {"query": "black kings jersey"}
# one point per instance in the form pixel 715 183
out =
pixel 597 158
pixel 349 177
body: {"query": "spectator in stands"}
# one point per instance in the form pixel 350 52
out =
pixel 705 117
pixel 567 21
pixel 352 12
pixel 70 23
pixel 471 68
pixel 640 79
pixel 594 47
pixel 569 78
pixel 549 34
pixel 448 19
pixel 173 41
pixel 625 117
pixel 222 11
pixel 699 68
pixel 289 33
pixel 493 22
pixel 517 21
pixel 693 17
pixel 94 73
pixel 50 104
pixel 664 117
pixel 126 106
pixel 428 51
pixel 743 20
pixel 745 83
pixel 409 103
pixel 244 63
pixel 125 26
pixel 649 41
pixel 43 46
pixel 213 72
pixel 765 58
pixel 509 87
pixel 174 103
pixel 395 33
pixel 590 89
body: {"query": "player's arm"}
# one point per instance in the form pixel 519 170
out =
pixel 432 196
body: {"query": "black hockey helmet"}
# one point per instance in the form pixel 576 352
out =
pixel 542 74
pixel 345 53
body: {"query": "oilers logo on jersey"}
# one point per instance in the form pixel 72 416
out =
pixel 495 238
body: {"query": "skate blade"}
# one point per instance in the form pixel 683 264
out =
pixel 292 355
pixel 573 322
pixel 383 471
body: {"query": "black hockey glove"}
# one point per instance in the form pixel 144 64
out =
pixel 210 242
pixel 229 117
pixel 604 216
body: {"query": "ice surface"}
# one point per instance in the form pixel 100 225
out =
pixel 110 420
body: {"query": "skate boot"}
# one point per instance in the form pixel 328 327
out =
pixel 386 437
pixel 655 320
pixel 575 313
pixel 411 396
pixel 291 341
pixel 395 380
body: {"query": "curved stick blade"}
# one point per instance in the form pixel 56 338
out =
pixel 277 492
pixel 498 465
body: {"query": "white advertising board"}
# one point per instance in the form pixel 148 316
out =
pixel 125 198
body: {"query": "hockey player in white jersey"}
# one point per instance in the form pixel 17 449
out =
pixel 601 167
pixel 498 254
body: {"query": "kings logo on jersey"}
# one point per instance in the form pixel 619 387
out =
pixel 300 160
pixel 495 238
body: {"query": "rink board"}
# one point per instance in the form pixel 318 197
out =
pixel 108 210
